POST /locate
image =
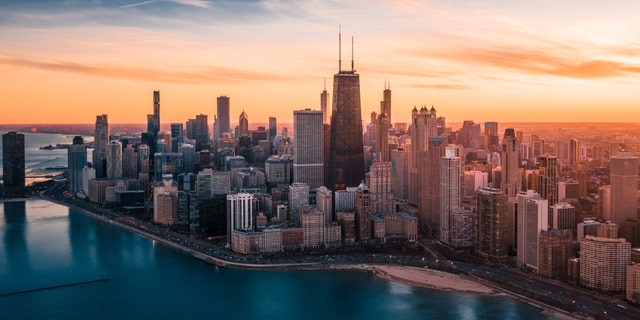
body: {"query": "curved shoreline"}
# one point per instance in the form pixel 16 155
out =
pixel 382 271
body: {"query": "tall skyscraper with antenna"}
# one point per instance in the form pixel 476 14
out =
pixel 346 158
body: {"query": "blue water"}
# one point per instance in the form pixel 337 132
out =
pixel 35 158
pixel 44 244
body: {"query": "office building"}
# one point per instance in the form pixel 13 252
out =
pixel 324 202
pixel 624 187
pixel 363 213
pixel 223 124
pixel 100 141
pixel 511 182
pixel 555 250
pixel 547 179
pixel 308 153
pixel 346 156
pixel 13 159
pixel 298 200
pixel 451 181
pixel 77 160
pixel 423 125
pixel 114 160
pixel 532 219
pixel 201 132
pixel 239 214
pixel 243 125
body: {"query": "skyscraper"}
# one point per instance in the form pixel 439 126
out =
pixel 548 178
pixel 491 224
pixel 239 213
pixel 603 263
pixel 429 191
pixel 243 124
pixel 346 156
pixel 423 125
pixel 533 217
pixel 451 182
pixel 201 132
pixel 624 187
pixel 324 104
pixel 13 159
pixel 363 213
pixel 76 160
pixel 491 137
pixel 511 182
pixel 100 140
pixel 385 104
pixel 308 151
pixel 114 160
pixel 222 117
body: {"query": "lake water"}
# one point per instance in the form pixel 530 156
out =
pixel 45 244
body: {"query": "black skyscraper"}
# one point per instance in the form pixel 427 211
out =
pixel 346 157
pixel 13 159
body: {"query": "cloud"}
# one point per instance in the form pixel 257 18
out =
pixel 439 86
pixel 565 63
pixel 209 74
pixel 195 3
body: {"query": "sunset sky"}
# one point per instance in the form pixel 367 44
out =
pixel 560 61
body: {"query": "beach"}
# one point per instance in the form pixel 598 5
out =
pixel 432 279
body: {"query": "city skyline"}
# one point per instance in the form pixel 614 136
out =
pixel 480 60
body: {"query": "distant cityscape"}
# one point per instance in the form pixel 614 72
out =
pixel 564 207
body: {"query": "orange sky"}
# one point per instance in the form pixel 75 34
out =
pixel 474 60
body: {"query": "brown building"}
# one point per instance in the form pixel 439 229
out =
pixel 556 247
pixel 491 225
pixel 633 283
pixel 363 213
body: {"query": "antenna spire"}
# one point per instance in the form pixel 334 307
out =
pixel 352 54
pixel 339 48
pixel 325 84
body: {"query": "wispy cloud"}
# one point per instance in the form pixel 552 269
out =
pixel 439 86
pixel 209 74
pixel 195 3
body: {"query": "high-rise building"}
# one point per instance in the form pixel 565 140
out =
pixel 13 159
pixel 77 159
pixel 243 124
pixel 222 117
pixel 547 181
pixel 308 151
pixel 114 160
pixel 100 141
pixel 603 263
pixel 400 173
pixel 429 195
pixel 491 224
pixel 511 182
pixel 533 218
pixel 129 163
pixel 563 217
pixel 298 200
pixel 143 158
pixel 324 201
pixel 470 135
pixel 201 132
pixel 346 155
pixel 556 248
pixel 624 187
pixel 423 126
pixel 324 104
pixel 491 137
pixel 382 139
pixel 177 136
pixel 363 213
pixel 273 129
pixel 380 188
pixel 385 104
pixel 239 214
pixel 451 182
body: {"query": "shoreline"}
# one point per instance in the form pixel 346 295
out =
pixel 394 273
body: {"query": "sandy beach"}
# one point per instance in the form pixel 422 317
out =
pixel 431 279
